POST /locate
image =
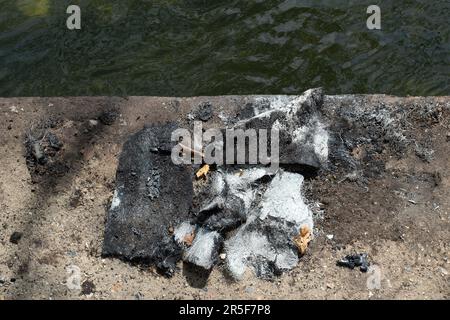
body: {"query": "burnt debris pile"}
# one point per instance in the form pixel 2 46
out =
pixel 250 217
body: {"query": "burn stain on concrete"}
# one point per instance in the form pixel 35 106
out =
pixel 43 150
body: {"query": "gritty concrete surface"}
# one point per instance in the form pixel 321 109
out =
pixel 386 193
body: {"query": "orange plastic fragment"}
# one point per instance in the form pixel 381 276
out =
pixel 189 239
pixel 202 171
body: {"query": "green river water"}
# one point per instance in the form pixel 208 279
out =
pixel 193 47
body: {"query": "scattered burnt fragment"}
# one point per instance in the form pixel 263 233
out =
pixel 357 260
pixel 247 112
pixel 43 151
pixel 15 237
pixel 53 141
pixel 87 287
pixel 151 194
pixel 204 111
pixel 362 130
pixel 108 117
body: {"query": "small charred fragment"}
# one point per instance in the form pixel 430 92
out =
pixel 204 111
pixel 15 237
pixel 108 117
pixel 357 260
pixel 151 194
pixel 43 151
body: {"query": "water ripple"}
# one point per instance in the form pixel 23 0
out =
pixel 197 47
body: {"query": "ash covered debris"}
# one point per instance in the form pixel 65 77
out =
pixel 252 214
pixel 265 211
pixel 224 202
pixel 265 241
pixel 204 250
pixel 229 198
pixel 303 134
pixel 151 194
pixel 204 111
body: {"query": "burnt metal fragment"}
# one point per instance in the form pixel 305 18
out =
pixel 357 260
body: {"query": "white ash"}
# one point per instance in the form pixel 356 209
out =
pixel 115 203
pixel 283 199
pixel 204 250
pixel 264 242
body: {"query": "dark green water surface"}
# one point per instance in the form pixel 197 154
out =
pixel 193 47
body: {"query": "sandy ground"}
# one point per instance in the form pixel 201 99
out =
pixel 400 216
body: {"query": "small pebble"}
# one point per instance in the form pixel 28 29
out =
pixel 88 287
